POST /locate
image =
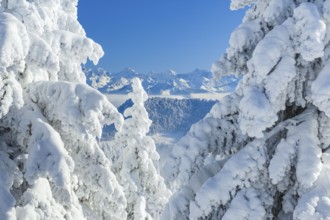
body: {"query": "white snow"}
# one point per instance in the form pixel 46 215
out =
pixel 267 143
pixel 51 162
pixel 135 160
pixel 310 31
pixel 119 99
pixel 262 152
pixel 246 205
pixel 47 156
pixel 320 90
pixel 257 112
pixel 218 190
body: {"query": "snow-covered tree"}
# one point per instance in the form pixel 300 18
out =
pixel 51 165
pixel 135 161
pixel 263 152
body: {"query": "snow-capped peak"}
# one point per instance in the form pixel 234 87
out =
pixel 171 72
pixel 197 81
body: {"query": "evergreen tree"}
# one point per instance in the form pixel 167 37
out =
pixel 51 165
pixel 263 152
pixel 136 161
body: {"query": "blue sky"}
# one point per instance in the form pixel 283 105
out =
pixel 158 35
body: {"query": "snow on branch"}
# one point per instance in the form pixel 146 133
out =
pixel 310 31
pixel 238 172
pixel 301 146
pixel 82 109
pixel 47 156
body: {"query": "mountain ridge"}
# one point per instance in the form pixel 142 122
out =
pixel 168 82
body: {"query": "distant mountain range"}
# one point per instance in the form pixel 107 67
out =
pixel 169 82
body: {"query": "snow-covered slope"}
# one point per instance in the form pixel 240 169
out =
pixel 169 82
pixel 174 115
pixel 170 116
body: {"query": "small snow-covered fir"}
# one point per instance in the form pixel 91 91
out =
pixel 136 161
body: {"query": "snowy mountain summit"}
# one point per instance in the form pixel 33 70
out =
pixel 168 82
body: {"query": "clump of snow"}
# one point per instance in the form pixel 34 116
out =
pixel 278 81
pixel 256 112
pixel 15 42
pixel 310 31
pixel 270 50
pixel 38 203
